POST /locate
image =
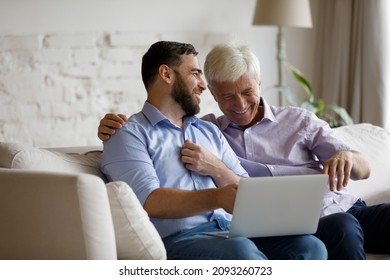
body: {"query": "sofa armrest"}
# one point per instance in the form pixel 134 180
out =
pixel 51 215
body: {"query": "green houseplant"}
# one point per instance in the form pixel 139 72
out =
pixel 333 114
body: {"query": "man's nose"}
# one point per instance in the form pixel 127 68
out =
pixel 203 84
pixel 239 102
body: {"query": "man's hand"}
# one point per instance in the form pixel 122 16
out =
pixel 344 165
pixel 200 160
pixel 339 167
pixel 109 124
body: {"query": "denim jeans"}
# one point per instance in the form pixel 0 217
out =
pixel 375 223
pixel 194 244
pixel 342 236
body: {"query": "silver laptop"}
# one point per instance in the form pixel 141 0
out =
pixel 277 206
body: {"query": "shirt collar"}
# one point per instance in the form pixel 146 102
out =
pixel 268 113
pixel 155 116
pixel 224 122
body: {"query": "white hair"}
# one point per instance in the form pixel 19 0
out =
pixel 228 62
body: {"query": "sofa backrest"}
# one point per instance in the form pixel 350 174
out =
pixel 67 160
pixel 374 143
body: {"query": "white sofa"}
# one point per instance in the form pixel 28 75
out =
pixel 56 204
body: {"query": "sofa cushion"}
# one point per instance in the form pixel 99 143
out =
pixel 136 237
pixel 374 143
pixel 19 156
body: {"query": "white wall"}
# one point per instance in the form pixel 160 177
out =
pixel 65 63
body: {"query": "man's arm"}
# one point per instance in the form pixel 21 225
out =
pixel 109 124
pixel 205 163
pixel 344 165
pixel 173 203
pixel 338 160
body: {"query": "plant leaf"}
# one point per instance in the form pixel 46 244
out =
pixel 301 80
pixel 291 97
pixel 342 113
pixel 341 116
pixel 309 106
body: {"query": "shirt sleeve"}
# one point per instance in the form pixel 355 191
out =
pixel 255 169
pixel 283 170
pixel 322 140
pixel 125 158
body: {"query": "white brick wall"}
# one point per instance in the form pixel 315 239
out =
pixel 54 88
pixel 13 43
pixel 64 64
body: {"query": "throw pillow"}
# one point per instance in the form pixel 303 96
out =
pixel 136 237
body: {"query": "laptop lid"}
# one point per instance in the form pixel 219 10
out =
pixel 276 206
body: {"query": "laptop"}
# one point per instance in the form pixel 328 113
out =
pixel 277 206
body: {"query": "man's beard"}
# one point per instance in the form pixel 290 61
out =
pixel 184 97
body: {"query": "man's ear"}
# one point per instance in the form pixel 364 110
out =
pixel 166 73
pixel 212 93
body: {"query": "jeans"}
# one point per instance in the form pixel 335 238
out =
pixel 375 223
pixel 194 244
pixel 342 236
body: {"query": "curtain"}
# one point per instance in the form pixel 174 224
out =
pixel 352 58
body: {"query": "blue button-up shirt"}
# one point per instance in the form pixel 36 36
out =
pixel 145 154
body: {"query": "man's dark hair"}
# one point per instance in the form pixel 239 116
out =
pixel 163 52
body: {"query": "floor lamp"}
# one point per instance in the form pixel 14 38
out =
pixel 282 13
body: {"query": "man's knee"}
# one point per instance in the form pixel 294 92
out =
pixel 343 236
pixel 344 224
pixel 241 248
pixel 317 249
pixel 309 248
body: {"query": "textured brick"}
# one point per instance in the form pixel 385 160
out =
pixel 21 42
pixel 120 55
pixel 21 112
pixel 53 56
pixel 70 41
pixel 23 86
pixel 60 110
pixel 85 56
pixel 17 60
pixel 44 110
pixel 118 70
pixel 118 84
pixel 5 102
pixel 80 71
pixel 132 39
pixel 51 94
